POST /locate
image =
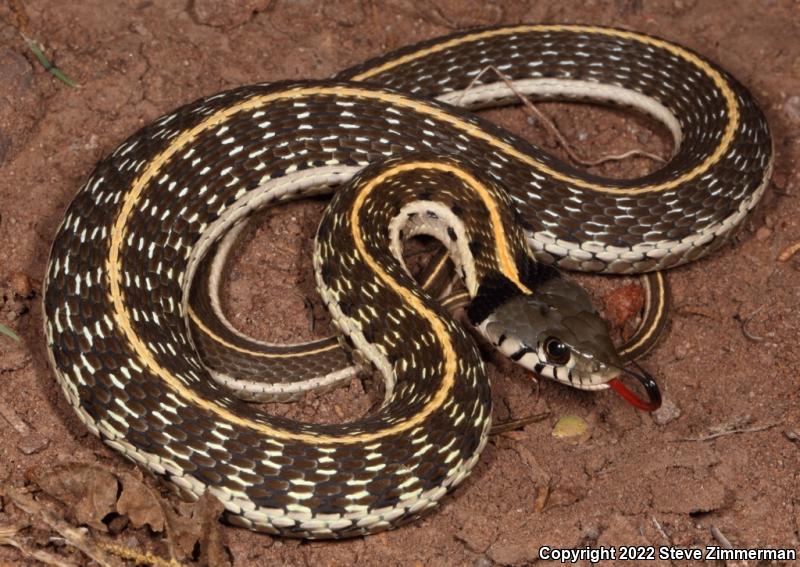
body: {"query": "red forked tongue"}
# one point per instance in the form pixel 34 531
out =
pixel 649 385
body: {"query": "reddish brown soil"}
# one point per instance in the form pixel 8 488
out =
pixel 136 61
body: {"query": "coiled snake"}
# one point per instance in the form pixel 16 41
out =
pixel 118 283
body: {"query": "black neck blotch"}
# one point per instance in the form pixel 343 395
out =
pixel 532 273
pixel 494 290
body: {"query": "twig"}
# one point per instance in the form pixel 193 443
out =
pixel 7 534
pixel 553 129
pixel 423 250
pixel 731 432
pixel 789 251
pixel 72 535
pixel 513 424
pixel 137 557
pixel 720 537
pixel 661 530
pixel 746 332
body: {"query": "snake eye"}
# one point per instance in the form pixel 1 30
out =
pixel 556 351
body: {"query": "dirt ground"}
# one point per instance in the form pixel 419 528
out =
pixel 724 455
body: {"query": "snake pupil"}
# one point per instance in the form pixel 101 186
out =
pixel 556 351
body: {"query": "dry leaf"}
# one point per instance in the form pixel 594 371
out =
pixel 140 504
pixel 197 523
pixel 572 429
pixel 542 495
pixel 212 550
pixel 89 492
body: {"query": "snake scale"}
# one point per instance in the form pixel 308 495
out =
pixel 145 223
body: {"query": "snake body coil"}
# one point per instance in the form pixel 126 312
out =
pixel 118 282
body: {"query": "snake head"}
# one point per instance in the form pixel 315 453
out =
pixel 556 333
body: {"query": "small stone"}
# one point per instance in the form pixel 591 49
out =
pixel 32 443
pixel 141 29
pixel 666 413
pixel 21 285
pixel 92 143
pixel 763 233
pixel 681 351
pixel 591 532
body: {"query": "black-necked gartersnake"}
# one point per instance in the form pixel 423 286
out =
pixel 118 283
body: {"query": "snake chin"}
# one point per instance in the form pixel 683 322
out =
pixel 556 333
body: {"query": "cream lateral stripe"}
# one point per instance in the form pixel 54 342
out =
pixel 652 312
pixel 212 335
pixel 713 74
pixel 507 264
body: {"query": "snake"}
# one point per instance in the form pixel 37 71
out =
pixel 128 290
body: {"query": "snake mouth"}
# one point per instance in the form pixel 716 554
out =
pixel 648 383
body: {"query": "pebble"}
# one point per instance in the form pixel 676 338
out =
pixel 591 532
pixel 763 233
pixel 667 412
pixel 32 443
pixel 21 285
pixel 681 351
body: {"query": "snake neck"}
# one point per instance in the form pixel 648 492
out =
pixel 497 290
